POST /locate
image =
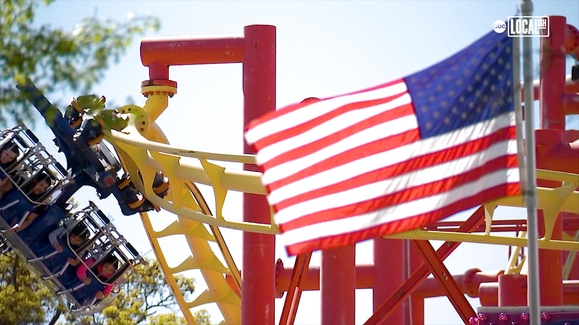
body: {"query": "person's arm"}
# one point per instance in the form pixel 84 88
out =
pixel 5 185
pixel 105 293
pixel 81 271
pixel 27 221
pixel 38 210
pixel 53 238
pixel 73 261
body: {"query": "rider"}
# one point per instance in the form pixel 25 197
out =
pixel 8 154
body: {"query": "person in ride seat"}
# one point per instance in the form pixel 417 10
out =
pixel 103 270
pixel 35 191
pixel 27 207
pixel 78 234
pixel 8 154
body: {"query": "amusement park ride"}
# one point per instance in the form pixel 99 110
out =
pixel 146 173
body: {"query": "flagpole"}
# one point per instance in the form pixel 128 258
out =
pixel 530 194
pixel 519 111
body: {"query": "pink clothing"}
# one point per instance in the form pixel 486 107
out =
pixel 81 274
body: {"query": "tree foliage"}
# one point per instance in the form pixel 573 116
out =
pixel 23 299
pixel 57 59
pixel 144 298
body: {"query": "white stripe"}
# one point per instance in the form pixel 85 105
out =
pixel 384 159
pixel 328 128
pixel 358 139
pixel 398 212
pixel 316 109
pixel 395 184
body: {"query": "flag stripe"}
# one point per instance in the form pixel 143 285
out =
pixel 312 166
pixel 375 190
pixel 340 120
pixel 439 162
pixel 430 206
pixel 343 140
pixel 347 207
pixel 348 231
pixel 333 174
pixel 298 117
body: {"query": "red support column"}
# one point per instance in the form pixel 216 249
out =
pixel 338 286
pixel 551 99
pixel 416 311
pixel 258 288
pixel 388 263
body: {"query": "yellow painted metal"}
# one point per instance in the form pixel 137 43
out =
pixel 570 260
pixel 484 239
pixel 554 199
pixel 146 158
pixel 157 100
pixel 233 270
pixel 215 172
pixel 176 229
pixel 162 261
pixel 489 212
pixel 569 205
pixel 202 256
pixel 514 266
pixel 552 175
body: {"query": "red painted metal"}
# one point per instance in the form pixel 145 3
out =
pixel 512 290
pixel 294 289
pixel 416 302
pixel 256 50
pixel 551 100
pixel 441 273
pixel 388 263
pixel 382 312
pixel 553 153
pixel 552 86
pixel 187 51
pixel 365 276
pixel 572 41
pixel 489 293
pixel 259 88
pixel 338 285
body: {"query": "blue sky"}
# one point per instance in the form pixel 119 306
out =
pixel 324 48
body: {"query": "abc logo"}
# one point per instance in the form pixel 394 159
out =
pixel 499 26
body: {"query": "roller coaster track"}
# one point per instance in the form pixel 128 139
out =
pixel 142 158
pixel 144 150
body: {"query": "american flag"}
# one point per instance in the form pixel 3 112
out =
pixel 393 157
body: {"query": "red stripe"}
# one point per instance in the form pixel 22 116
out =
pixel 407 224
pixel 317 121
pixel 368 149
pixel 314 146
pixel 404 196
pixel 407 166
pixel 290 108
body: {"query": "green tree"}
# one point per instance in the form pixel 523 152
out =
pixel 145 298
pixel 57 59
pixel 23 300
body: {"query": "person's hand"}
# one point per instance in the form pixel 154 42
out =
pixel 57 247
pixel 72 261
pixel 100 295
pixel 86 280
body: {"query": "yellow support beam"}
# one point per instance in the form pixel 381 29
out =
pixel 485 239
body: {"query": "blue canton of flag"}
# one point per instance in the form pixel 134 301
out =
pixel 472 86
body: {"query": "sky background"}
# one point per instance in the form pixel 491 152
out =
pixel 324 48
